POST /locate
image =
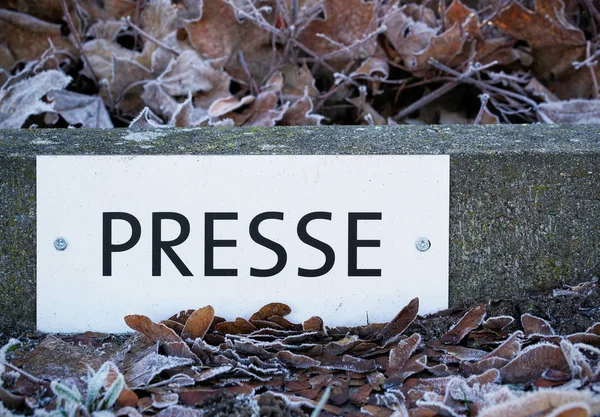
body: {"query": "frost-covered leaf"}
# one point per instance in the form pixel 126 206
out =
pixel 271 309
pixel 169 340
pixel 28 37
pixel 80 109
pixel 66 393
pixel 470 321
pixel 402 320
pixel 23 99
pixel 532 362
pixel 536 325
pixel 347 32
pixel 571 111
pixel 556 43
pixel 218 34
pixel 144 370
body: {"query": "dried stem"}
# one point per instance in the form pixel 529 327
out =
pixel 244 66
pixel 484 100
pixel 149 37
pixel 75 33
pixel 425 100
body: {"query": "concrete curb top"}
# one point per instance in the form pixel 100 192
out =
pixel 524 199
pixel 504 139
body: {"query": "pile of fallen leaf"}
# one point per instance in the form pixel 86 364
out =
pixel 452 363
pixel 189 63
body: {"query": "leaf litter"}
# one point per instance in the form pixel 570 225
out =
pixel 192 63
pixel 451 363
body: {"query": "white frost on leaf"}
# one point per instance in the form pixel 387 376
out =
pixel 81 109
pixel 23 99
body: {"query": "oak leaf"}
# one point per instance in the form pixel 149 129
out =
pixel 345 34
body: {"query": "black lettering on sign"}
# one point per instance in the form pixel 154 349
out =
pixel 159 245
pixel 108 248
pixel 354 243
pixel 267 243
pixel 315 243
pixel 210 244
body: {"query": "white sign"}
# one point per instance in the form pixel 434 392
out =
pixel 334 236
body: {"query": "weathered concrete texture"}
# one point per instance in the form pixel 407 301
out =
pixel 524 205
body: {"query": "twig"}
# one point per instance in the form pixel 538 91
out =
pixel 244 66
pixel 466 78
pixel 322 402
pixel 590 63
pixel 484 100
pixel 148 36
pixel 425 100
pixel 348 48
pixel 75 33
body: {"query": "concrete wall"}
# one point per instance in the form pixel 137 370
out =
pixel 524 199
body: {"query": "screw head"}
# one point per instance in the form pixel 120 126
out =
pixel 423 244
pixel 60 243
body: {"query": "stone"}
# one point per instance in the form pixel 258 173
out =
pixel 524 199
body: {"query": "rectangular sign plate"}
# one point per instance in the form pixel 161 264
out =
pixel 333 236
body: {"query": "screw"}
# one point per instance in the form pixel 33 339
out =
pixel 423 244
pixel 60 243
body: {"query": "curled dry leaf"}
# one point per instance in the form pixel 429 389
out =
pixel 27 37
pixel 345 35
pixel 533 362
pixel 80 109
pixel 571 111
pixel 400 354
pixel 497 323
pixel 239 326
pixel 271 309
pixel 169 340
pixel 536 326
pixel 555 42
pixel 399 323
pixel 198 323
pixel 313 324
pixel 470 321
pixel 298 361
pixel 23 99
pixel 540 402
pixel 218 34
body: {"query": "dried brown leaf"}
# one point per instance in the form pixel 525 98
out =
pixel 540 403
pixel 571 111
pixel 400 354
pixel 399 323
pixel 497 323
pixel 218 34
pixel 27 37
pixel 198 323
pixel 300 113
pixel 346 33
pixel 239 326
pixel 297 361
pixel 470 321
pixel 536 325
pixel 509 349
pixel 313 324
pixel 555 42
pixel 533 362
pixel 271 309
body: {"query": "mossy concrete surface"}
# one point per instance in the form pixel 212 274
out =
pixel 524 199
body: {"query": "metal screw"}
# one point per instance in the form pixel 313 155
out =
pixel 60 243
pixel 423 244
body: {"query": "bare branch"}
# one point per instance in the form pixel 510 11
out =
pixel 75 33
pixel 148 36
